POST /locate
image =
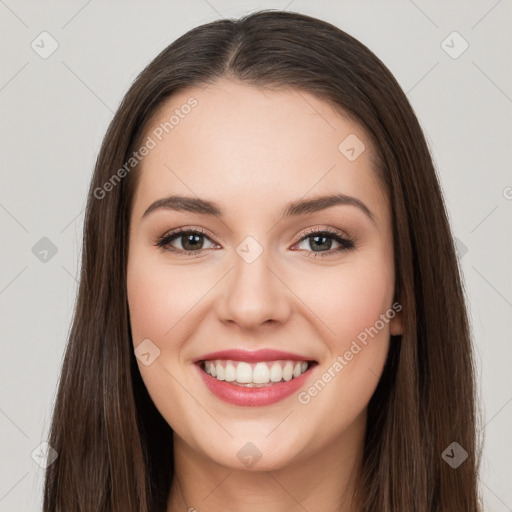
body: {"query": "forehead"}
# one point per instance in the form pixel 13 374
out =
pixel 234 143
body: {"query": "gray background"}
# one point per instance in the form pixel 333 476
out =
pixel 55 112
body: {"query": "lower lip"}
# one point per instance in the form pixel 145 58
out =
pixel 253 397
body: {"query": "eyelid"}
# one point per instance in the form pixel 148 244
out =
pixel 185 229
pixel 331 231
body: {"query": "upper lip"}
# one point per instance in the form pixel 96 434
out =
pixel 252 356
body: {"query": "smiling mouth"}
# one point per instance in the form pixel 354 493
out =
pixel 255 374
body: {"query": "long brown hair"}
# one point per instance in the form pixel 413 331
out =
pixel 115 450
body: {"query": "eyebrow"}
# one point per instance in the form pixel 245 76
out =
pixel 295 208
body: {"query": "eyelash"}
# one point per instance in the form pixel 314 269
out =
pixel 346 243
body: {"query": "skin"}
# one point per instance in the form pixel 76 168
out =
pixel 252 151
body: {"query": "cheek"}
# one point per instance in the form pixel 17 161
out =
pixel 362 298
pixel 349 299
pixel 350 302
pixel 146 299
pixel 159 296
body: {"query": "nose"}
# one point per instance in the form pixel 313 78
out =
pixel 254 294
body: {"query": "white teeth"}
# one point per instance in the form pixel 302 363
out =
pixel 288 371
pixel 255 374
pixel 243 373
pixel 229 373
pixel 219 369
pixel 261 374
pixel 276 372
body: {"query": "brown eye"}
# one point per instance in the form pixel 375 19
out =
pixel 188 241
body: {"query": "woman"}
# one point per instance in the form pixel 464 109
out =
pixel 224 354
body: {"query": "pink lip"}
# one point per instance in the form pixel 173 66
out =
pixel 253 397
pixel 252 356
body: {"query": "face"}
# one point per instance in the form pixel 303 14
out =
pixel 255 273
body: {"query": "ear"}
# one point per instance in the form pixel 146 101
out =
pixel 396 324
